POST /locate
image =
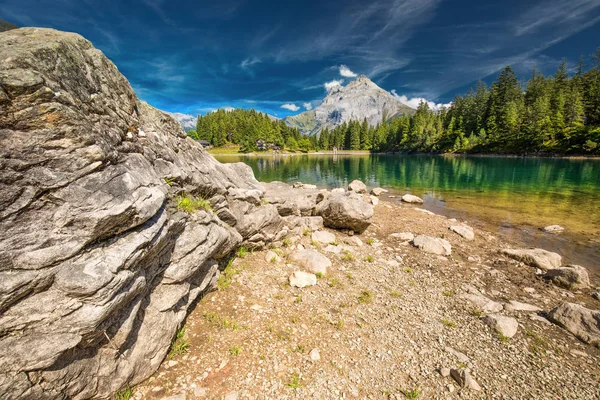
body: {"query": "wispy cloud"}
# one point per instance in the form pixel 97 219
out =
pixel 307 106
pixel 248 62
pixel 414 102
pixel 290 106
pixel 333 84
pixel 346 72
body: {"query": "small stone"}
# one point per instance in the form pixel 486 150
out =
pixel 302 279
pixel 231 396
pixel 483 303
pixel 506 326
pixel 297 185
pixel 172 363
pixel 314 355
pixel 464 231
pixel 403 236
pixel 338 190
pixel 445 372
pixel 433 245
pixel 200 392
pixel 272 257
pixel 378 191
pixel 409 198
pixel 353 241
pixel 578 353
pixel 312 260
pixel 569 277
pixel 539 258
pixel 513 305
pixel 333 249
pixel 180 396
pixel 529 290
pixel 464 379
pixel 323 237
pixel 450 388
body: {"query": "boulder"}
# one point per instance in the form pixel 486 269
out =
pixel 357 186
pixel 539 258
pixel 432 245
pixel 506 326
pixel 483 303
pixel 302 279
pixel 353 241
pixel 312 260
pixel 403 236
pixel 112 222
pixel 464 231
pixel 378 191
pixel 569 277
pixel 345 211
pixel 580 321
pixel 553 229
pixel 409 198
pixel 374 200
pixel 323 237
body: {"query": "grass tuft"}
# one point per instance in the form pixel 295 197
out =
pixel 412 394
pixel 365 297
pixel 181 343
pixel 190 204
pixel 448 323
pixel 124 394
pixel 294 382
pixel 220 321
pixel 235 350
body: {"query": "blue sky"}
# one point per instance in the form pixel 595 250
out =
pixel 276 56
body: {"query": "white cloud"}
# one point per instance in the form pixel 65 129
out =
pixel 414 102
pixel 333 84
pixel 291 107
pixel 308 106
pixel 346 72
pixel 226 109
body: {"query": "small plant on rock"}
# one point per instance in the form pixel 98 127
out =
pixel 369 258
pixel 448 323
pixel 241 252
pixel 412 394
pixel 124 394
pixel 294 382
pixel 191 204
pixel 370 241
pixel 448 293
pixel 235 350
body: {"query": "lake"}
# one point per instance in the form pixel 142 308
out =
pixel 509 196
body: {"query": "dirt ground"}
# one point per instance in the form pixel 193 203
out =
pixel 384 320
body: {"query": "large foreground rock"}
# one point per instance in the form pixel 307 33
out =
pixel 357 186
pixel 345 211
pixel 432 245
pixel 539 258
pixel 98 267
pixel 580 321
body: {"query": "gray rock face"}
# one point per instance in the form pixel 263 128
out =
pixel 98 266
pixel 346 211
pixel 569 277
pixel 539 258
pixel 432 245
pixel 580 321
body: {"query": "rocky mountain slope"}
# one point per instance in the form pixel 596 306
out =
pixel 112 222
pixel 356 101
pixel 6 26
pixel 186 121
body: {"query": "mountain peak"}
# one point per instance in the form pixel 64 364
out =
pixel 360 99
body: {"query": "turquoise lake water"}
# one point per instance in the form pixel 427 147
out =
pixel 510 196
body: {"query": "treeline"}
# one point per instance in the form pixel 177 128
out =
pixel 554 114
pixel 246 127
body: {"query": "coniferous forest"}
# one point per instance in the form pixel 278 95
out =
pixel 557 114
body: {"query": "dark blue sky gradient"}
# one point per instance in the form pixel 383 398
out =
pixel 196 56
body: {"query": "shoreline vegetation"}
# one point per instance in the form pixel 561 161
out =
pixel 548 115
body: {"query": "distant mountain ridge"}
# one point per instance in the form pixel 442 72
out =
pixel 358 100
pixel 6 26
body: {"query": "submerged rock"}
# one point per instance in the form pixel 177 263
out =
pixel 409 198
pixel 432 245
pixel 553 229
pixel 569 277
pixel 539 258
pixel 580 321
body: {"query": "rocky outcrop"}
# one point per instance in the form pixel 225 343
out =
pixel 539 258
pixel 580 321
pixel 112 222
